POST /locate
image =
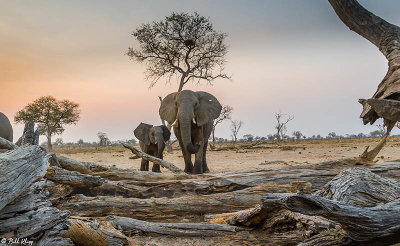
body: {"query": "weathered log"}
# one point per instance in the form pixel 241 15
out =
pixel 19 168
pixel 6 144
pixel 72 178
pixel 155 160
pixel 362 188
pixel 113 173
pixel 175 209
pixel 90 232
pixel 133 226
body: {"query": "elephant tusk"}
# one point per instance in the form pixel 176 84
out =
pixel 194 121
pixel 175 122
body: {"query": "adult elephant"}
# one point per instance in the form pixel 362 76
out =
pixel 191 114
pixel 6 130
pixel 152 141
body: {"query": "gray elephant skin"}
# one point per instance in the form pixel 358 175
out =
pixel 192 115
pixel 6 130
pixel 152 141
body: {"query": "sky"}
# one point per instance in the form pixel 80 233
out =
pixel 289 56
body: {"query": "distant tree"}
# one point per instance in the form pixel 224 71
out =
pixel 224 115
pixel 332 135
pixel 297 134
pixel 361 135
pixel 281 121
pixel 182 45
pixel 51 114
pixel 248 137
pixel 103 139
pixel 59 142
pixel 235 127
pixel 80 142
pixel 271 137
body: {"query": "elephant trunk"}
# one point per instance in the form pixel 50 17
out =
pixel 160 145
pixel 186 133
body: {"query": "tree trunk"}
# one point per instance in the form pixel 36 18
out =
pixel 386 37
pixel 49 145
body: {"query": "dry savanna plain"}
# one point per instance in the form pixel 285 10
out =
pixel 245 155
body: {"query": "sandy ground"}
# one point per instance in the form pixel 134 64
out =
pixel 299 153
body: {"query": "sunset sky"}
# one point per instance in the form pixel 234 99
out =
pixel 293 56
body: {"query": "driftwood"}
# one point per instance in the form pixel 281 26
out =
pixel 155 160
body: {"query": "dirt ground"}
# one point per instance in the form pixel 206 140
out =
pixel 267 155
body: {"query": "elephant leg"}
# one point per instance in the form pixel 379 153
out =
pixel 205 167
pixel 198 163
pixel 187 157
pixel 144 165
pixel 156 167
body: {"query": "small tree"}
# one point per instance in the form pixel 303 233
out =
pixel 332 135
pixel 51 114
pixel 224 115
pixel 297 134
pixel 103 139
pixel 181 45
pixel 81 142
pixel 281 122
pixel 248 137
pixel 59 142
pixel 235 127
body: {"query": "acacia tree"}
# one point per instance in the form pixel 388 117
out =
pixel 224 115
pixel 103 139
pixel 235 127
pixel 281 122
pixel 51 114
pixel 182 45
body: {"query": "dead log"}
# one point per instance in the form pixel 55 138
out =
pixel 155 160
pixel 175 209
pixel 91 232
pixel 362 187
pixel 131 226
pixel 114 173
pixel 72 178
pixel 19 168
pixel 5 144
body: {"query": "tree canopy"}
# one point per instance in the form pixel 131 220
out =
pixel 184 46
pixel 51 114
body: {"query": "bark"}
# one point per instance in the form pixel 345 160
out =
pixel 72 178
pixel 386 37
pixel 20 168
pixel 175 209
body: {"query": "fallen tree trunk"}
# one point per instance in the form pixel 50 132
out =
pixel 155 160
pixel 72 178
pixel 115 174
pixel 363 203
pixel 175 209
pixel 133 226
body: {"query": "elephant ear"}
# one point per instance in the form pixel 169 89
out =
pixel 168 108
pixel 209 108
pixel 142 133
pixel 166 133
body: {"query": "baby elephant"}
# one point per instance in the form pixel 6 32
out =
pixel 152 141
